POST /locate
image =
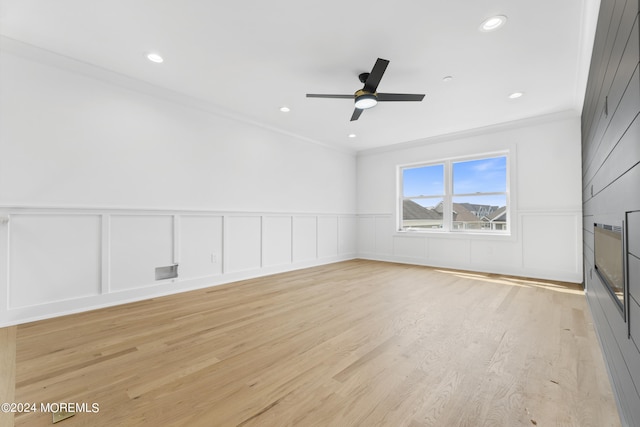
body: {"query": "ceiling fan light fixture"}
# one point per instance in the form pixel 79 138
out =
pixel 366 100
pixel 493 23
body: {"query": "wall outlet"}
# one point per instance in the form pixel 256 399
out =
pixel 214 258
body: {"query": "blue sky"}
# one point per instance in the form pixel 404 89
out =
pixel 484 175
pixel 423 181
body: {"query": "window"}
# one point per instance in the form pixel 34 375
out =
pixel 455 195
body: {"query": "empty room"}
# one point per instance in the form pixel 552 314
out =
pixel 296 213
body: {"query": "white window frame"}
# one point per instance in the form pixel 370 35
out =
pixel 447 198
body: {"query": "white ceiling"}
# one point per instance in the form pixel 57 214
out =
pixel 252 57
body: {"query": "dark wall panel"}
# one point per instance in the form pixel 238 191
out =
pixel 625 66
pixel 605 37
pixel 622 384
pixel 621 159
pixel 634 301
pixel 611 187
pixel 597 64
pixel 611 97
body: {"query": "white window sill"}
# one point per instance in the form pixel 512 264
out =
pixel 490 235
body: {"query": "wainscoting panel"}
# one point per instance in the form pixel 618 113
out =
pixel 545 245
pixel 327 236
pixel 487 253
pixel 552 242
pixel 53 258
pixel 58 261
pixel 443 251
pixel 276 240
pixel 139 244
pixel 367 235
pixel 200 246
pixel 347 235
pixel 305 238
pixel 384 241
pixel 410 247
pixel 243 243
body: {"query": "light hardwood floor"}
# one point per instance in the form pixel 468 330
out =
pixel 355 343
pixel 7 371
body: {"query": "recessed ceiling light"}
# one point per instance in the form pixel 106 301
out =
pixel 447 78
pixel 285 109
pixel 493 23
pixel 515 95
pixel 154 57
pixel 352 135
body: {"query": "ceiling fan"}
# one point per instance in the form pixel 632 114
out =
pixel 367 97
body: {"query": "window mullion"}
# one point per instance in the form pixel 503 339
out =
pixel 447 201
pixel 494 193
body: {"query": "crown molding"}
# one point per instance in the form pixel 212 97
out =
pixel 483 130
pixel 73 65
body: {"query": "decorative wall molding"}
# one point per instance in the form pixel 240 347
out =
pixel 56 260
pixel 47 57
pixel 378 239
pixel 469 133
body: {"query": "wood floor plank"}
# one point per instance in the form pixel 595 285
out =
pixel 354 343
pixel 7 372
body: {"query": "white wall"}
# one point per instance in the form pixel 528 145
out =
pixel 72 140
pixel 103 179
pixel 546 218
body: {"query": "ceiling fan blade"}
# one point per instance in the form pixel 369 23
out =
pixel 399 97
pixel 318 95
pixel 356 114
pixel 372 82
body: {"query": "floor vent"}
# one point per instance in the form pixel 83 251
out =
pixel 169 272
